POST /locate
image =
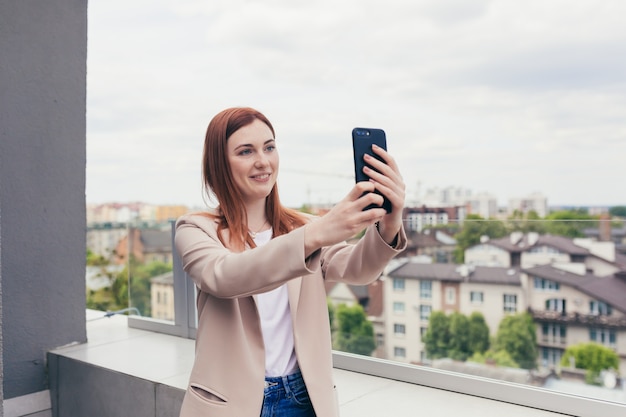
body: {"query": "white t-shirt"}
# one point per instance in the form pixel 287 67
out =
pixel 276 325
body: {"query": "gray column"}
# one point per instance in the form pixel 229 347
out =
pixel 43 50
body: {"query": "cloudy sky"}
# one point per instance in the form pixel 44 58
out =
pixel 504 97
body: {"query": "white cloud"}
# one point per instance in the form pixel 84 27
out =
pixel 503 96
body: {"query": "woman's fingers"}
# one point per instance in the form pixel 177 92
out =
pixel 386 177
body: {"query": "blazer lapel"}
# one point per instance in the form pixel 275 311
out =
pixel 293 289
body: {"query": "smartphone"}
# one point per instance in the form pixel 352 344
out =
pixel 362 141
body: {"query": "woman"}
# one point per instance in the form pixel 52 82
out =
pixel 263 343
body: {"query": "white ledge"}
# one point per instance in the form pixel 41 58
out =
pixel 366 387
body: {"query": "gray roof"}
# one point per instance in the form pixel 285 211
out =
pixel 452 272
pixel 563 244
pixel 166 278
pixel 495 275
pixel 615 231
pixel 437 272
pixel 620 260
pixel 611 289
pixel 359 291
pixel 156 240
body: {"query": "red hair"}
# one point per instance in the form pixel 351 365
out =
pixel 218 180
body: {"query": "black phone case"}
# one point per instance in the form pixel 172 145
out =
pixel 362 141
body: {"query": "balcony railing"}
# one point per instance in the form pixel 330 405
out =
pixel 578 318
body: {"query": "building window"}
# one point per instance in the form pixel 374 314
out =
pixel 450 295
pixel 399 352
pixel 441 257
pixel 426 290
pixel 476 297
pixel 423 331
pixel 399 329
pixel 606 337
pixel 380 340
pixel 554 333
pixel 556 304
pixel 398 307
pixel 398 284
pixel 425 312
pixel 599 308
pixel 550 357
pixel 510 303
pixel 546 285
pixel 544 249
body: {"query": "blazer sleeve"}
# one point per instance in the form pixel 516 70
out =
pixel 363 262
pixel 225 274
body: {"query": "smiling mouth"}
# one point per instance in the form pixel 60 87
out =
pixel 261 176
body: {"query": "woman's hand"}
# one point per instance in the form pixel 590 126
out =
pixel 388 181
pixel 345 219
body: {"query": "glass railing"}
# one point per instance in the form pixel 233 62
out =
pixel 522 303
pixel 130 269
pixel 538 303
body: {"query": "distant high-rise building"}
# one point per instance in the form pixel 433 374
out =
pixel 536 202
pixel 483 204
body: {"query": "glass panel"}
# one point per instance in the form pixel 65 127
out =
pixel 527 324
pixel 129 263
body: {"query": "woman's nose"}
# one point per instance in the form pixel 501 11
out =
pixel 261 160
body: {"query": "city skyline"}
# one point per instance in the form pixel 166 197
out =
pixel 502 97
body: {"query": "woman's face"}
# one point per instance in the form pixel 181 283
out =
pixel 253 160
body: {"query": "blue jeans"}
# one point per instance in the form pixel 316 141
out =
pixel 286 396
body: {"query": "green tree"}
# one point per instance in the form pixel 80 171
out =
pixel 474 227
pixel 116 296
pixel 437 337
pixel 331 313
pixel 517 336
pixel 478 333
pixel 526 222
pixel 618 211
pixel 95 260
pixel 458 347
pixel 354 333
pixel 140 283
pixel 500 358
pixel 568 223
pixel 592 357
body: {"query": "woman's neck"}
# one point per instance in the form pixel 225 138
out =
pixel 257 217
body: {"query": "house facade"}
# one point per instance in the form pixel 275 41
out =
pixel 414 290
pixel 575 292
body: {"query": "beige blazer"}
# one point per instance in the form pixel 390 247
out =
pixel 227 378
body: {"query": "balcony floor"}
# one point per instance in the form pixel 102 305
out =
pixel 127 365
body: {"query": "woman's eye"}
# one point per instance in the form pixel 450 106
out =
pixel 245 152
pixel 270 148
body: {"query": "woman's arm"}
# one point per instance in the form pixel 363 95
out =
pixel 225 274
pixel 363 262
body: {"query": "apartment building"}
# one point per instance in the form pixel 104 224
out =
pixel 434 244
pixel 574 293
pixel 162 296
pixel 527 250
pixel 133 212
pixel 536 202
pixel 103 238
pixel 146 245
pixel 572 306
pixel 419 218
pixel 414 290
